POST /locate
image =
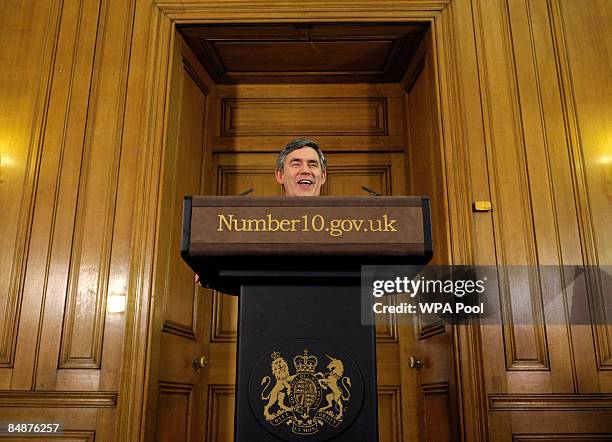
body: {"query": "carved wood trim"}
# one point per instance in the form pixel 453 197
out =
pixel 553 402
pixel 58 399
pixel 14 294
pixel 239 11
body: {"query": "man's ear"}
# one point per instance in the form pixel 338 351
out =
pixel 278 174
pixel 323 177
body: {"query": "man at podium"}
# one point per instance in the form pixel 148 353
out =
pixel 301 168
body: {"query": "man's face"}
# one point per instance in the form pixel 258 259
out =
pixel 302 174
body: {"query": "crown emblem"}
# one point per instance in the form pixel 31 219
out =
pixel 305 363
pixel 275 355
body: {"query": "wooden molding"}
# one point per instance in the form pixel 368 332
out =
pixel 390 395
pixel 382 172
pixel 553 402
pixel 69 436
pixel 240 11
pixel 58 399
pixel 429 330
pixel 434 388
pixel 549 437
pixel 218 396
pixel 220 329
pixel 194 76
pixel 339 116
pixel 155 38
pixel 175 328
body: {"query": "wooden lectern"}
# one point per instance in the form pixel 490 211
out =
pixel 306 364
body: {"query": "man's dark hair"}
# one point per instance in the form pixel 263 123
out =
pixel 298 144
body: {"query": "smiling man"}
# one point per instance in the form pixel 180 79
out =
pixel 301 168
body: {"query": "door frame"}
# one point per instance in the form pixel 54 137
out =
pixel 148 84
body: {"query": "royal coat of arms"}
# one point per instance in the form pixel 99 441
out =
pixel 307 399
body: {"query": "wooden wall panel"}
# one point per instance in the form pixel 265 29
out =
pixel 585 48
pixel 185 166
pixel 389 413
pixel 514 225
pixel 24 85
pixel 224 323
pixel 173 406
pixel 436 411
pixel 355 117
pixel 68 71
pixel 342 116
pixel 220 419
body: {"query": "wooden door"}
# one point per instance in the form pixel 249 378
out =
pixel 177 381
pixel 433 339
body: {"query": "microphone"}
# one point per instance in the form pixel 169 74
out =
pixel 246 192
pixel 370 191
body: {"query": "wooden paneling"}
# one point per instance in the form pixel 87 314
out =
pixel 427 177
pixel 220 422
pixel 224 321
pixel 588 88
pixel 68 81
pixel 352 117
pixel 180 295
pixel 24 86
pixel 57 399
pixel 523 89
pixel 551 402
pixel 176 408
pixel 66 436
pixel 174 402
pixel 313 52
pixel 324 116
pixel 389 413
pixel 555 437
pixel 436 411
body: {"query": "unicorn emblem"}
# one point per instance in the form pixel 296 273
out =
pixel 335 396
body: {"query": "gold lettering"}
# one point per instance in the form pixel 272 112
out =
pixel 223 220
pixel 293 221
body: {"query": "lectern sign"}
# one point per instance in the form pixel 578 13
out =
pixel 263 226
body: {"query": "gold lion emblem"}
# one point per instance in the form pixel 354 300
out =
pixel 304 392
